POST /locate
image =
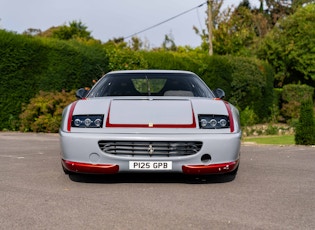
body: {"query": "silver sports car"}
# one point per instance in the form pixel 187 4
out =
pixel 150 121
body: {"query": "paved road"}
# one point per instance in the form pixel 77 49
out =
pixel 274 189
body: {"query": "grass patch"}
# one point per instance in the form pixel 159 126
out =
pixel 271 140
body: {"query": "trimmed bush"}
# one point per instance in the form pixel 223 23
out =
pixel 292 96
pixel 252 86
pixel 305 130
pixel 248 117
pixel 20 66
pixel 217 72
pixel 43 113
pixel 71 64
pixel 276 104
pixel 126 59
pixel 169 60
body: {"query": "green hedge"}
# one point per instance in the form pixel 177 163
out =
pixel 252 85
pixel 217 72
pixel 21 63
pixel 71 64
pixel 29 64
pixel 305 130
pixel 247 82
pixel 292 97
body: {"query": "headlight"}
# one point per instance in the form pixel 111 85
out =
pixel 87 121
pixel 213 121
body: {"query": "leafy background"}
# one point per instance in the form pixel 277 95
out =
pixel 264 59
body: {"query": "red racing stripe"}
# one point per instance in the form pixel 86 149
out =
pixel 70 115
pixel 228 107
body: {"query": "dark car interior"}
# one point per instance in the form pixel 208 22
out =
pixel 150 85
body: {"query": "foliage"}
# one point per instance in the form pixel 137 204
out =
pixel 168 43
pixel 30 64
pixel 237 30
pixel 246 81
pixel 217 72
pixel 125 59
pixel 278 9
pixel 136 43
pixel 162 59
pixel 44 111
pixel 292 96
pixel 248 117
pixel 276 104
pixel 305 130
pixel 19 80
pixel 215 6
pixel 236 33
pixel 290 48
pixel 76 29
pixel 252 86
pixel 122 57
pixel 71 64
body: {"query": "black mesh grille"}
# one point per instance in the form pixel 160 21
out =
pixel 151 148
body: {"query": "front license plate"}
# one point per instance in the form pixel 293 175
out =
pixel 150 165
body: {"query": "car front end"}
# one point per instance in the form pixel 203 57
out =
pixel 150 134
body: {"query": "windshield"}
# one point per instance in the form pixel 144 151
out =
pixel 150 84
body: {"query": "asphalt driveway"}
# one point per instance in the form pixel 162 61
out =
pixel 274 189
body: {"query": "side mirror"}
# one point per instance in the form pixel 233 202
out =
pixel 219 93
pixel 81 93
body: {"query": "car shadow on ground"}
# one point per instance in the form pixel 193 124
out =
pixel 151 178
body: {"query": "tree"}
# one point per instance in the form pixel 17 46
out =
pixel 168 43
pixel 235 31
pixel 305 130
pixel 76 29
pixel 289 48
pixel 136 43
pixel 292 96
pixel 32 32
pixel 215 6
pixel 278 9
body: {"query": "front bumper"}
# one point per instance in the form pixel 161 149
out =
pixel 80 153
pixel 113 169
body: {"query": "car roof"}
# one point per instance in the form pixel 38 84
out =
pixel 150 71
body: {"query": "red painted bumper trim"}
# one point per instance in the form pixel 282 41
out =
pixel 210 169
pixel 79 167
